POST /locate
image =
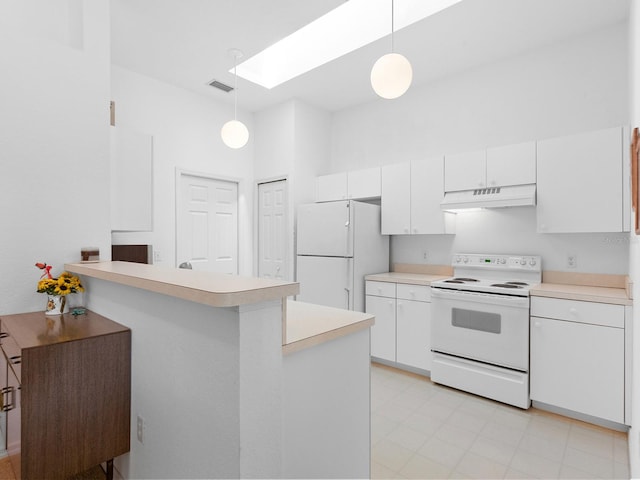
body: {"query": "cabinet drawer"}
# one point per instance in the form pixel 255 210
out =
pixel 578 311
pixel 381 289
pixel 421 293
pixel 13 354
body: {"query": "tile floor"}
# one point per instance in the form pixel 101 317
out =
pixel 423 430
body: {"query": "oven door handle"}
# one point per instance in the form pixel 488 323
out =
pixel 479 297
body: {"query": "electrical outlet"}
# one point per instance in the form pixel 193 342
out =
pixel 140 429
pixel 156 256
pixel 572 260
pixel 424 255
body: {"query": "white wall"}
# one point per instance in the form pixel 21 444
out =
pixel 634 261
pixel 186 133
pixel 54 140
pixel 292 142
pixel 574 86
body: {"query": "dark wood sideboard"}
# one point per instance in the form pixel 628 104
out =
pixel 66 392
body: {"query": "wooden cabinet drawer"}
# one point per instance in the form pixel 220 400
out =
pixel 578 311
pixel 421 293
pixel 381 289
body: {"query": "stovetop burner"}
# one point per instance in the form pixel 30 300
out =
pixel 461 280
pixel 507 285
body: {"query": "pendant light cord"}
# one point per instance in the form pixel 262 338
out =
pixel 392 45
pixel 235 90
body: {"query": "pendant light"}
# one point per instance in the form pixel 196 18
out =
pixel 234 133
pixel 391 75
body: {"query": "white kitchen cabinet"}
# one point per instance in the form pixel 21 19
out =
pixel 465 171
pixel 578 357
pixel 354 185
pixel 493 167
pixel 380 300
pixel 413 326
pixel 396 199
pixel 411 196
pixel 131 180
pixel 402 330
pixel 331 187
pixel 581 183
pixel 511 164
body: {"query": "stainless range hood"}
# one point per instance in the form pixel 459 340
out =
pixel 493 197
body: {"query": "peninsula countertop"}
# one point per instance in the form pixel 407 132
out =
pixel 215 289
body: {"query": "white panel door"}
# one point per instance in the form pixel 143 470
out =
pixel 272 230
pixel 207 224
pixel 325 229
pixel 326 281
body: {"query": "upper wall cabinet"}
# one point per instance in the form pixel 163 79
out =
pixel 493 167
pixel 131 181
pixel 411 196
pixel 511 165
pixel 581 185
pixel 358 184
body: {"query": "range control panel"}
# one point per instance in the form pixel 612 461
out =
pixel 509 262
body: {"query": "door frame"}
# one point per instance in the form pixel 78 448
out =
pixel 179 172
pixel 288 222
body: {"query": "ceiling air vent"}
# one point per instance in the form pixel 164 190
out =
pixel 221 86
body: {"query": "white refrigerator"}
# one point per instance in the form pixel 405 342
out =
pixel 338 243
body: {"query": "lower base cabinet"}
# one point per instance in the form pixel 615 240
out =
pixel 402 330
pixel 413 335
pixel 578 357
pixel 66 392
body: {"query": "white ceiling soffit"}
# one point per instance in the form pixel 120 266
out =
pixel 186 42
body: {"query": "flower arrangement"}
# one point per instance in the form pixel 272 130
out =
pixel 61 286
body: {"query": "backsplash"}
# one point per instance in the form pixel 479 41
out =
pixel 513 230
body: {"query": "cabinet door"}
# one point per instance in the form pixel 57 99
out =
pixel 131 180
pixel 427 191
pixel 364 183
pixel 465 171
pixel 396 199
pixel 511 165
pixel 580 183
pixel 331 187
pixel 578 366
pixel 383 332
pixel 414 333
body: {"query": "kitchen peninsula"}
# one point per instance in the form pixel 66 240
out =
pixel 231 379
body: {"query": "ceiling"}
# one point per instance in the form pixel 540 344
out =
pixel 186 42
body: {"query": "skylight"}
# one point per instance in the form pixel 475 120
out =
pixel 350 26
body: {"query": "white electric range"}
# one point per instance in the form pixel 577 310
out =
pixel 480 326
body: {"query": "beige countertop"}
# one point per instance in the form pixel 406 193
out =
pixel 215 289
pixel 587 293
pixel 308 325
pixel 570 286
pixel 410 278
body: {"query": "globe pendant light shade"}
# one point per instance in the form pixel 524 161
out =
pixel 234 134
pixel 391 75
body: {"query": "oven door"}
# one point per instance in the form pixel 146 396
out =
pixel 490 328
